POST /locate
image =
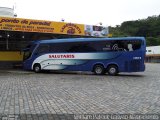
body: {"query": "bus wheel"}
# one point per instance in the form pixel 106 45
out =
pixel 112 70
pixel 98 69
pixel 37 68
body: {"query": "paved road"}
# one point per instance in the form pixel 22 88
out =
pixel 82 93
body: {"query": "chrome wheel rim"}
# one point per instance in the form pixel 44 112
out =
pixel 112 70
pixel 98 70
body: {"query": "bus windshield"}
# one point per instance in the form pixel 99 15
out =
pixel 28 51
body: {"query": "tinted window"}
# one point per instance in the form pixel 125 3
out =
pixel 94 46
pixel 81 47
pixel 72 47
pixel 28 51
pixel 101 46
pixel 59 47
pixel 42 48
pixel 125 45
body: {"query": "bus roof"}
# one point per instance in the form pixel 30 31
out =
pixel 86 39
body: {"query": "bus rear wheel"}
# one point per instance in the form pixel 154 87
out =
pixel 99 70
pixel 112 70
pixel 37 68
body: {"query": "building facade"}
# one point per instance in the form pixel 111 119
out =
pixel 153 54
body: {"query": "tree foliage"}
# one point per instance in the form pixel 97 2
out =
pixel 148 28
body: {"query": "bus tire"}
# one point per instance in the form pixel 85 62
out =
pixel 37 68
pixel 99 70
pixel 112 70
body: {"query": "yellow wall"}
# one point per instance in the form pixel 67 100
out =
pixel 11 56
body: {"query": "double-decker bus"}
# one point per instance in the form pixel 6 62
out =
pixel 99 55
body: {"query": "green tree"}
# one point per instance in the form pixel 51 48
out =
pixel 148 28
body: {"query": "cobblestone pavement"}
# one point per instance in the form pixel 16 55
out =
pixel 82 93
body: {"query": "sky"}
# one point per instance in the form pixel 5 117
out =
pixel 91 12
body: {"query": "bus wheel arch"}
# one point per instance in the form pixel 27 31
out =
pixel 112 69
pixel 37 67
pixel 98 69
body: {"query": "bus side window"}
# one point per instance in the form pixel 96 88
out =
pixel 42 49
pixel 137 44
pixel 73 49
pixel 76 48
pixel 59 47
pixel 82 48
